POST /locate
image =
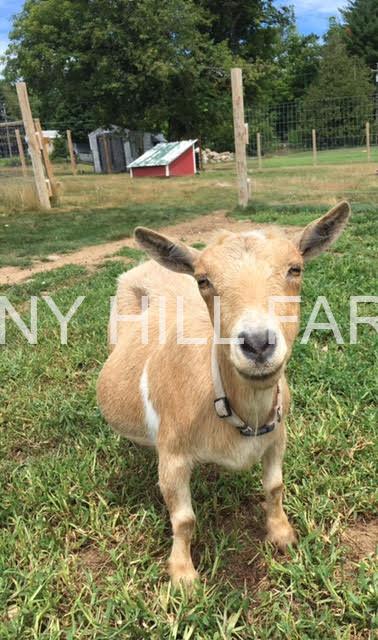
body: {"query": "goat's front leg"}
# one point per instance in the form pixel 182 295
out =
pixel 174 481
pixel 279 530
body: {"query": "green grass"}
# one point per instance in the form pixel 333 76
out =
pixel 129 252
pixel 95 209
pixel 36 235
pixel 84 533
pixel 329 156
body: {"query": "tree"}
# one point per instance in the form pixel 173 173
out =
pixel 296 64
pixel 361 29
pixel 147 64
pixel 9 108
pixel 339 101
pixel 251 28
pixel 137 64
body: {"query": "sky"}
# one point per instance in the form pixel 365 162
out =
pixel 312 15
pixel 7 9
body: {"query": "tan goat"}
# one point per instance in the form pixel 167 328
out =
pixel 211 401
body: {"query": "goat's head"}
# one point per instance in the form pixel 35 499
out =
pixel 253 279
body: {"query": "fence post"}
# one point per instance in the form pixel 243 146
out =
pixel 35 151
pixel 21 152
pixel 367 127
pixel 71 152
pixel 239 134
pixel 43 143
pixel 258 146
pixel 314 148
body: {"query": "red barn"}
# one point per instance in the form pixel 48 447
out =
pixel 166 159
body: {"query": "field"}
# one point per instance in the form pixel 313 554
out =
pixel 84 533
pixel 94 209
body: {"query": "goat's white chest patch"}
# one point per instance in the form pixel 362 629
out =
pixel 240 454
pixel 151 417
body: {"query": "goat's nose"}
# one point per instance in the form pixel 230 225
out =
pixel 258 345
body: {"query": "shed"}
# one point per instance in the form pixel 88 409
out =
pixel 114 148
pixel 83 152
pixel 166 159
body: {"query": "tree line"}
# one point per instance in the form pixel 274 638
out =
pixel 165 65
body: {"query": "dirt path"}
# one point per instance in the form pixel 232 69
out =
pixel 197 230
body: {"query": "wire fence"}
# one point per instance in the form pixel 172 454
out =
pixel 337 122
pixel 344 131
pixel 12 145
pixel 17 189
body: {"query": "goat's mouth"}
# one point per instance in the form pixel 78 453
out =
pixel 262 375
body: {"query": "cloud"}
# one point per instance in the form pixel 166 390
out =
pixel 312 16
pixel 325 7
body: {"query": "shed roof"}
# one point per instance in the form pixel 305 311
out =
pixel 162 154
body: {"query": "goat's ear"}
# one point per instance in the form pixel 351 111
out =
pixel 321 233
pixel 169 253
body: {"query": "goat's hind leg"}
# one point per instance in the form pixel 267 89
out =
pixel 174 481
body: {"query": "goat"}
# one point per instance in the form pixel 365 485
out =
pixel 221 396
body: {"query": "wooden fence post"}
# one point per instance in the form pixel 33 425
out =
pixel 21 152
pixel 239 134
pixel 314 148
pixel 258 146
pixel 35 151
pixel 71 151
pixel 44 143
pixel 367 127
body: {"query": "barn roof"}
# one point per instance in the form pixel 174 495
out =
pixel 162 154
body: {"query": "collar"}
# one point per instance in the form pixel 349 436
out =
pixel 224 410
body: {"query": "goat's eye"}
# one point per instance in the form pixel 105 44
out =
pixel 295 271
pixel 203 282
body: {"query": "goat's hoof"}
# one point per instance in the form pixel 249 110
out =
pixel 282 537
pixel 183 575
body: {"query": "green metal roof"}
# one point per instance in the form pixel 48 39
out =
pixel 162 154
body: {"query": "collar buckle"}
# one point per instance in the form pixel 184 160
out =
pixel 222 407
pixel 248 431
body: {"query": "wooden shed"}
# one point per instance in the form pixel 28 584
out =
pixel 113 149
pixel 166 159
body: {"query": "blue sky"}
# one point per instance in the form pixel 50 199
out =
pixel 312 15
pixel 7 9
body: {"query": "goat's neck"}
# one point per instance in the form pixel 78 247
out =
pixel 253 405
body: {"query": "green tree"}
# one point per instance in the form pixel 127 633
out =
pixel 251 28
pixel 297 64
pixel 361 29
pixel 136 64
pixel 147 64
pixel 8 102
pixel 339 101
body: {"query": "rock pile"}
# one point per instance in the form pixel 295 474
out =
pixel 213 156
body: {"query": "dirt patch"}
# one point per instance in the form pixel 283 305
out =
pixel 199 229
pixel 92 559
pixel 244 566
pixel 361 539
pixel 242 563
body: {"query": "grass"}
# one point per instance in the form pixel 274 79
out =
pixel 87 218
pixel 95 209
pixel 36 236
pixel 83 531
pixel 353 155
